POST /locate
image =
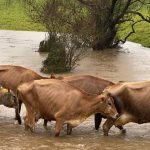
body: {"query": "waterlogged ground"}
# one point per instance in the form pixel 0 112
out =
pixel 131 63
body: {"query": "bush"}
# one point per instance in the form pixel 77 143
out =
pixel 49 44
pixel 63 53
pixel 55 61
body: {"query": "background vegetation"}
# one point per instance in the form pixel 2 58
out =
pixel 14 17
pixel 142 30
pixel 73 26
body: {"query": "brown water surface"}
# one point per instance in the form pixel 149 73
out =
pixel 131 63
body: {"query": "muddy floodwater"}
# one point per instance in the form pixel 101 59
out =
pixel 131 63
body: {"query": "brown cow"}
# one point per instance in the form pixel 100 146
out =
pixel 90 84
pixel 132 100
pixel 12 76
pixel 7 98
pixel 57 100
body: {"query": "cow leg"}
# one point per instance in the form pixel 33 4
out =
pixel 98 119
pixel 122 129
pixel 69 129
pixel 37 117
pixel 18 115
pixel 27 127
pixel 29 124
pixel 58 126
pixel 17 112
pixel 29 120
pixel 20 104
pixel 45 123
pixel 107 125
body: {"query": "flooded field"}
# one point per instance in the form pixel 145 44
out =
pixel 131 63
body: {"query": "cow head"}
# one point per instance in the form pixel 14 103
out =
pixel 8 99
pixel 107 105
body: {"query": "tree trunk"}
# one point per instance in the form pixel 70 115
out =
pixel 105 30
pixel 105 39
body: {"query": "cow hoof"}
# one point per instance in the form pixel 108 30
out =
pixel 123 131
pixel 105 134
pixel 97 129
pixel 57 135
pixel 15 122
pixel 45 127
pixel 18 118
pixel 19 121
pixel 27 127
pixel 32 129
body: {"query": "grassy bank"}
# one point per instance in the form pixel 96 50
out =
pixel 14 18
pixel 142 31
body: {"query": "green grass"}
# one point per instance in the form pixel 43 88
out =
pixel 14 17
pixel 142 31
pixel 141 35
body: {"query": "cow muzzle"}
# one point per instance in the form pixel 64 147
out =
pixel 115 116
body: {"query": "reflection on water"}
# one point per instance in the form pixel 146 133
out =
pixel 131 63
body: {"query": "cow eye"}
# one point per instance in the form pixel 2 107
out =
pixel 109 104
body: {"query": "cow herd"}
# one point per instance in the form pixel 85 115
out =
pixel 70 100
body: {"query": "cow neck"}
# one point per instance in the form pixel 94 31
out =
pixel 118 104
pixel 92 104
pixel 117 101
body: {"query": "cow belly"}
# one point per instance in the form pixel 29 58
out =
pixel 124 118
pixel 75 122
pixel 143 120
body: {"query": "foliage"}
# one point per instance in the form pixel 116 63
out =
pixel 63 52
pixel 100 21
pixel 49 44
pixel 142 32
pixel 56 59
pixel 97 21
pixel 13 17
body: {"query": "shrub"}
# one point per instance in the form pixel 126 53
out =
pixel 63 52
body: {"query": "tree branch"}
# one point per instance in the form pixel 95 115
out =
pixel 129 34
pixel 113 6
pixel 122 13
pixel 87 3
pixel 124 20
pixel 140 15
pixel 111 10
pixel 140 1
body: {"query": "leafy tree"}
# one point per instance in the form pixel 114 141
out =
pixel 96 21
